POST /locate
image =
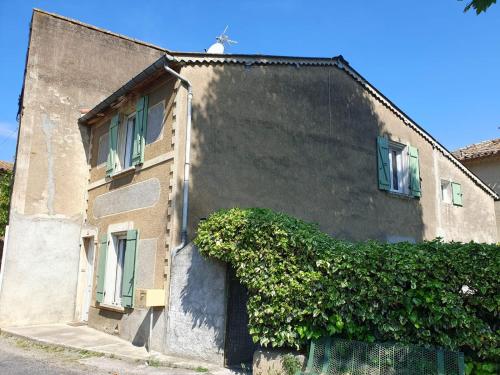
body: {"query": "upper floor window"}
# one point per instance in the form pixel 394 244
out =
pixel 126 142
pixel 398 167
pixel 451 192
pixel 446 191
pixel 127 139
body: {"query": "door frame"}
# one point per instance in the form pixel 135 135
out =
pixel 89 248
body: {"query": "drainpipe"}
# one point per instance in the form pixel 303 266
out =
pixel 187 163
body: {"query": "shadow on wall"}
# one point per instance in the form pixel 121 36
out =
pixel 300 140
pixel 297 140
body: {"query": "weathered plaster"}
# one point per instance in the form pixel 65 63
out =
pixel 132 197
pixel 197 312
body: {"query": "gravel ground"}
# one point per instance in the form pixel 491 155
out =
pixel 19 356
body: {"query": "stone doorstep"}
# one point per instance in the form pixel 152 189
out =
pixel 164 360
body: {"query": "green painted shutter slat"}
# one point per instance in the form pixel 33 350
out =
pixel 456 190
pixel 415 189
pixel 141 122
pixel 101 268
pixel 113 143
pixel 383 163
pixel 128 281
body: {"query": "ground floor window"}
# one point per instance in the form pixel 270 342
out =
pixel 116 270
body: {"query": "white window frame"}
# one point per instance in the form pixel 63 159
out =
pixel 402 168
pixel 446 193
pixel 114 269
pixel 125 142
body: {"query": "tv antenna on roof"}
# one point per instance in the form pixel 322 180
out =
pixel 221 41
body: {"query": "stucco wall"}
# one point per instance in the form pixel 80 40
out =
pixel 197 312
pixel 69 67
pixel 141 199
pixel 488 169
pixel 303 140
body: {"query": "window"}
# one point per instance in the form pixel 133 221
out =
pixel 155 122
pixel 126 139
pixel 114 270
pixel 102 153
pixel 398 168
pixel 446 194
pixel 126 142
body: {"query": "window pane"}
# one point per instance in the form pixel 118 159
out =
pixel 155 123
pixel 102 154
pixel 119 269
pixel 395 169
pixel 130 141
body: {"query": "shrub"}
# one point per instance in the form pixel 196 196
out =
pixel 304 284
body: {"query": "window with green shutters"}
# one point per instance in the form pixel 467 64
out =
pixel 456 191
pixel 398 167
pixel 127 139
pixel 116 269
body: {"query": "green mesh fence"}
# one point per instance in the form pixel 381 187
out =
pixel 343 357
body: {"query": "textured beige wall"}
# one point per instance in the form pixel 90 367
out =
pixel 70 66
pixel 303 141
pixel 488 169
pixel 151 221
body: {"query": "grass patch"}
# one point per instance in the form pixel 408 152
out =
pixel 201 369
pixel 154 362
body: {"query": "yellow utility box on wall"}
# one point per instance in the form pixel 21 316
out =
pixel 150 297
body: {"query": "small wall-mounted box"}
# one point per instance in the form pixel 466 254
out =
pixel 150 297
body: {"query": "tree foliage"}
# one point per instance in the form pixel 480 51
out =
pixel 5 179
pixel 479 5
pixel 304 284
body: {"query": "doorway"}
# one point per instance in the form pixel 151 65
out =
pixel 88 279
pixel 239 347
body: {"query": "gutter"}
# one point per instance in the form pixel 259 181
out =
pixel 187 162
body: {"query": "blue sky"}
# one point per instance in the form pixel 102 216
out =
pixel 441 66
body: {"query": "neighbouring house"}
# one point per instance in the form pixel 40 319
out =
pixel 99 205
pixel 5 172
pixel 483 159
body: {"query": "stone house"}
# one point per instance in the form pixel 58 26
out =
pixel 483 159
pixel 99 210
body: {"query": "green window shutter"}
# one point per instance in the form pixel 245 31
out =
pixel 113 144
pixel 456 190
pixel 141 120
pixel 129 269
pixel 101 268
pixel 415 189
pixel 383 163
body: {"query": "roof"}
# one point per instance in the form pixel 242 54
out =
pixel 478 150
pixel 5 166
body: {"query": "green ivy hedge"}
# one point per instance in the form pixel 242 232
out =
pixel 304 284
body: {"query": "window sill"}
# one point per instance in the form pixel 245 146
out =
pixel 115 308
pixel 123 172
pixel 401 195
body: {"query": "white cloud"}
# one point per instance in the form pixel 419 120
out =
pixel 8 130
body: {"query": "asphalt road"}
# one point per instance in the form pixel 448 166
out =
pixel 14 361
pixel 21 357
